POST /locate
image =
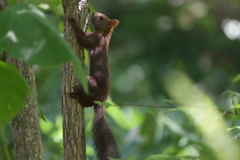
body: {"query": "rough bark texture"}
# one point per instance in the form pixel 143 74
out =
pixel 74 141
pixel 3 3
pixel 25 126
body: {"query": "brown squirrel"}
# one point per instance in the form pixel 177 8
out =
pixel 97 43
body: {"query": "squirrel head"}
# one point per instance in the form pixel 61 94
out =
pixel 102 23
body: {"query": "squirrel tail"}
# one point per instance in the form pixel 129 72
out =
pixel 105 144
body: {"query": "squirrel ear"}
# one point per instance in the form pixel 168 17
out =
pixel 113 23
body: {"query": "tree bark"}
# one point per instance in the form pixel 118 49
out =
pixel 74 140
pixel 25 126
pixel 3 3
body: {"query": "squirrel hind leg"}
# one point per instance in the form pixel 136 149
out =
pixel 84 99
pixel 74 94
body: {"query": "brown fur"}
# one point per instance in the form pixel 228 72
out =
pixel 97 43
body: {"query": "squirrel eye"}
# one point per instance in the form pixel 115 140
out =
pixel 101 18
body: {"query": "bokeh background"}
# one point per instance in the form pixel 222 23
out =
pixel 199 38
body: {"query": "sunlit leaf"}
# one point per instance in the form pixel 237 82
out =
pixel 180 86
pixel 132 119
pixel 237 106
pixel 161 157
pixel 232 128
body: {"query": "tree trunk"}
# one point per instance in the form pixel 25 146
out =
pixel 3 3
pixel 25 126
pixel 74 141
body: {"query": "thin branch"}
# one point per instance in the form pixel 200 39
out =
pixel 40 2
pixel 173 106
pixel 206 153
pixel 225 112
pixel 145 105
pixel 235 137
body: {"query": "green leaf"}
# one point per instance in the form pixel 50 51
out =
pixel 169 101
pixel 126 121
pixel 171 110
pixel 41 114
pixel 27 34
pixel 236 79
pixel 106 104
pixel 13 91
pixel 81 74
pixel 161 157
pixel 237 106
pixel 118 116
pixel 232 128
pixel 232 93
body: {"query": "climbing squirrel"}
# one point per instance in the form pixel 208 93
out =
pixel 97 43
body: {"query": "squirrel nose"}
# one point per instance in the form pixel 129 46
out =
pixel 93 13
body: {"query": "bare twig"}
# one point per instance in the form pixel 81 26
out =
pixel 225 112
pixel 235 137
pixel 174 106
pixel 206 153
pixel 146 105
pixel 40 2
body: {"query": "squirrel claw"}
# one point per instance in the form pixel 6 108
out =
pixel 74 93
pixel 75 88
pixel 71 20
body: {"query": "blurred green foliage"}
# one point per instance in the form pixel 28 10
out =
pixel 197 37
pixel 13 84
